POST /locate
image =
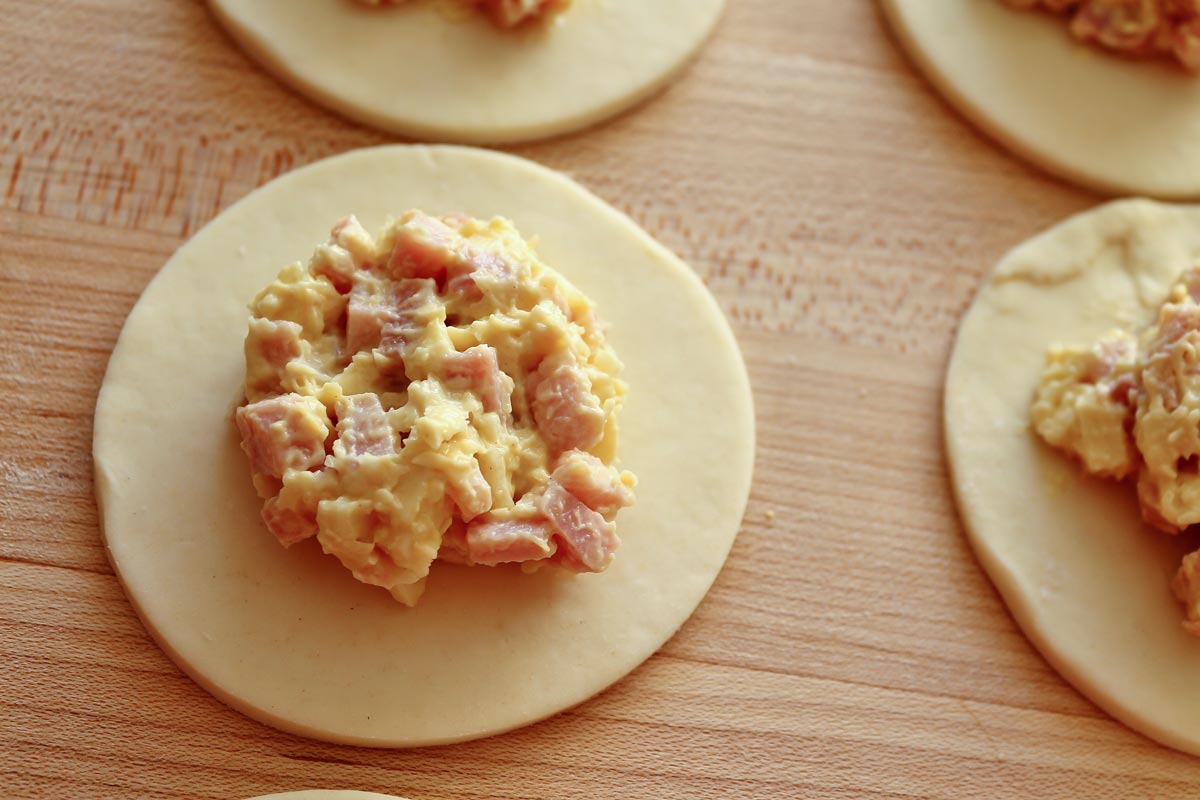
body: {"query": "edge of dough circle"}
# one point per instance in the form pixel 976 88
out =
pixel 1087 581
pixel 327 794
pixel 289 637
pixel 1105 122
pixel 422 71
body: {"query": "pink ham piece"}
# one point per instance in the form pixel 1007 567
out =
pixel 597 485
pixel 477 370
pixel 372 308
pixel 363 427
pixel 492 541
pixel 283 433
pixel 365 314
pixel 589 540
pixel 480 270
pixel 288 525
pixel 336 260
pixel 412 301
pixel 424 248
pixel 566 412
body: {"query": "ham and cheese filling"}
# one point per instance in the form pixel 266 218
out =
pixel 1136 28
pixel 1130 406
pixel 504 13
pixel 433 392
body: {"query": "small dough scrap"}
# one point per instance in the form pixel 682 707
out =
pixel 1105 122
pixel 416 72
pixel 289 636
pixel 1086 579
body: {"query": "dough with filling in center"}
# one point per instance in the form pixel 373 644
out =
pixel 1109 123
pixel 416 71
pixel 1087 581
pixel 289 636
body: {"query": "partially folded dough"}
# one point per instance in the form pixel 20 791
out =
pixel 1085 578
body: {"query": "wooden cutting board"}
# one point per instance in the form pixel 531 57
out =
pixel 842 216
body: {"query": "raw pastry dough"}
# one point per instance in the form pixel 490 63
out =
pixel 289 637
pixel 1106 122
pixel 414 71
pixel 327 794
pixel 1085 578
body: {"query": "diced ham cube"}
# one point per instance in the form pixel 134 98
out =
pixel 288 524
pixel 471 493
pixel 338 259
pixel 589 540
pixel 567 414
pixel 284 433
pixel 597 485
pixel 492 541
pixel 480 272
pixel 366 313
pixel 388 317
pixel 477 370
pixel 363 428
pixel 412 303
pixel 424 248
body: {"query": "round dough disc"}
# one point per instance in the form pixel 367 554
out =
pixel 1086 580
pixel 288 636
pixel 418 71
pixel 1109 123
pixel 327 794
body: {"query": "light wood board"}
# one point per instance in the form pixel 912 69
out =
pixel 842 216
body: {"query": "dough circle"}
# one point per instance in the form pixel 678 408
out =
pixel 1091 117
pixel 417 72
pixel 288 636
pixel 1086 580
pixel 327 794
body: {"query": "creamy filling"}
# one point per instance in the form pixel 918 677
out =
pixel 1129 406
pixel 1135 28
pixel 433 392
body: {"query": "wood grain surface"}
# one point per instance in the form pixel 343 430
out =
pixel 842 216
